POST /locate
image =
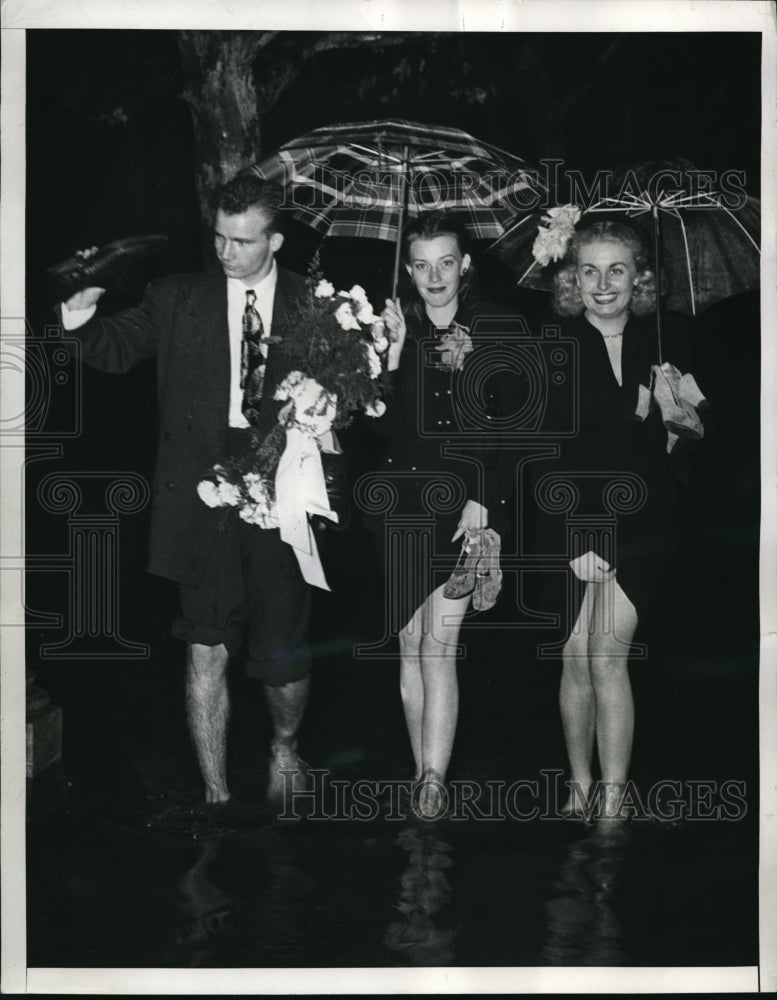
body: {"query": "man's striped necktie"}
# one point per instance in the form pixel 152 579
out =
pixel 252 359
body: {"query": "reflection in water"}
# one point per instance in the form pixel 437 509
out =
pixel 582 926
pixel 205 905
pixel 275 922
pixel 424 892
pixel 256 903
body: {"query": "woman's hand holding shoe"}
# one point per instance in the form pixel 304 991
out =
pixel 474 517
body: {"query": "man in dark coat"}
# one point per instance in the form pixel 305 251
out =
pixel 244 576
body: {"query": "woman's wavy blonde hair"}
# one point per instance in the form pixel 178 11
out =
pixel 566 294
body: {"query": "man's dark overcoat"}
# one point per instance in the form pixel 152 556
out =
pixel 183 321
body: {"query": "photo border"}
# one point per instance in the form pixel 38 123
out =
pixel 366 15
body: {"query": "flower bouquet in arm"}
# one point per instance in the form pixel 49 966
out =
pixel 331 351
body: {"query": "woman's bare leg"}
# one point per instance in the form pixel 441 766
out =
pixel 578 705
pixel 436 706
pixel 411 685
pixel 615 622
pixel 441 686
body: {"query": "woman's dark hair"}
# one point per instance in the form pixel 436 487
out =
pixel 427 226
pixel 566 294
pixel 245 191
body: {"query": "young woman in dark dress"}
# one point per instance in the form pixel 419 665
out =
pixel 606 286
pixel 424 415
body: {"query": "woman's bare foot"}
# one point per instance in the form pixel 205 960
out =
pixel 613 800
pixel 576 805
pixel 430 795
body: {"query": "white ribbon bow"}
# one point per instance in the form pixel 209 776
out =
pixel 300 489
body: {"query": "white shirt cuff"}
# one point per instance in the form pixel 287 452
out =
pixel 73 318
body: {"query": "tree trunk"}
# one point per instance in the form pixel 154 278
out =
pixel 228 89
pixel 220 90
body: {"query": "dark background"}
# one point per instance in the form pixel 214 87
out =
pixel 110 152
pixel 109 136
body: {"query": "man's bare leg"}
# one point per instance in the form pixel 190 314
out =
pixel 207 712
pixel 287 707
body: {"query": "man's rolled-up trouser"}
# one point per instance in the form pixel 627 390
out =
pixel 252 582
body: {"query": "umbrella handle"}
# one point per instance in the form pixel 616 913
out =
pixel 397 259
pixel 657 266
pixel 401 221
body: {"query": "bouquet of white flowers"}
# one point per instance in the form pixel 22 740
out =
pixel 332 346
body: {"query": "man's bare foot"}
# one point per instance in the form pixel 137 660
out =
pixel 216 796
pixel 287 773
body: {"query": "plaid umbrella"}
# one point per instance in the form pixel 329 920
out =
pixel 705 245
pixel 364 179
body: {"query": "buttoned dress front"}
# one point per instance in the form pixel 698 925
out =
pixel 439 453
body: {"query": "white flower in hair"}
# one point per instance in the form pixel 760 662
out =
pixel 554 233
pixel 563 215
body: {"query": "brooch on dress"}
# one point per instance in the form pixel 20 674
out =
pixel 454 345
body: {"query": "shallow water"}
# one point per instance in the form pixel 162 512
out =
pixel 127 869
pixel 272 893
pixel 130 870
